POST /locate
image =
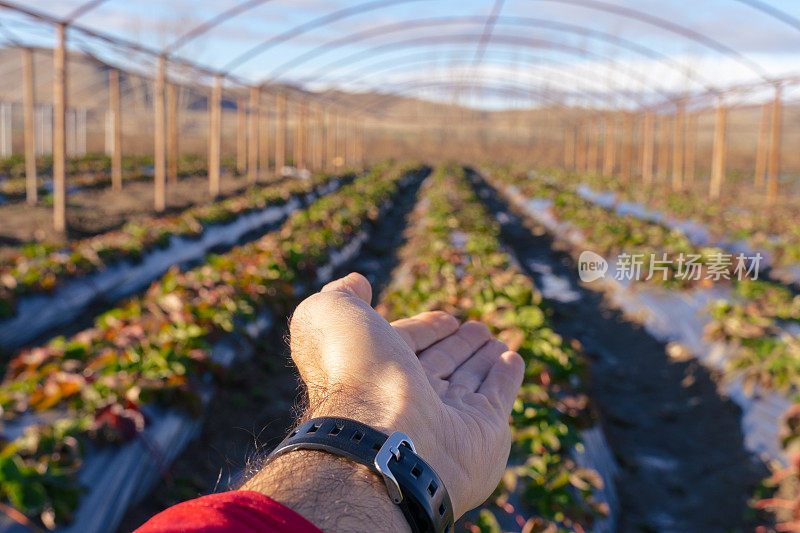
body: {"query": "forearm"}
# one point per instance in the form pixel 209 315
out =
pixel 334 493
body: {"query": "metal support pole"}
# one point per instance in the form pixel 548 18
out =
pixel 160 133
pixel 774 166
pixel 215 137
pixel 719 155
pixel 60 131
pixel 28 102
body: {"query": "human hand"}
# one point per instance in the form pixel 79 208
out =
pixel 449 387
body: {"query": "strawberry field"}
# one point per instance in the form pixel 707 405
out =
pixel 137 374
pixel 611 187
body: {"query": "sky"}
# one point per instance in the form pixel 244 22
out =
pixel 574 49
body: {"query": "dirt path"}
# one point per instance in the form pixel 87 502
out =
pixel 253 410
pixel 677 439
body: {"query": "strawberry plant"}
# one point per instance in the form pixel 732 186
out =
pixel 156 348
pixel 455 262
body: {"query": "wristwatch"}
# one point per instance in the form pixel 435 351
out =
pixel 411 483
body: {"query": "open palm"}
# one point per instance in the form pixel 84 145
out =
pixel 449 387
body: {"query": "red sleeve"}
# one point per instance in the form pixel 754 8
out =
pixel 229 512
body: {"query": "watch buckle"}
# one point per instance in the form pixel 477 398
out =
pixel 389 450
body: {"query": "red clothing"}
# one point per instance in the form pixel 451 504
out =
pixel 229 512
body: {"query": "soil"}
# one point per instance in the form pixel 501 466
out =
pixel 93 211
pixel 676 436
pixel 252 411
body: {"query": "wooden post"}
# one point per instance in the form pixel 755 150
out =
pixel 330 140
pixel 678 147
pixel 296 149
pixel 241 137
pixel 691 148
pixel 774 165
pixel 311 138
pixel 115 110
pixel 626 163
pixel 172 133
pixel 319 139
pixel 720 149
pixel 264 136
pixel 610 147
pixel 341 140
pixel 580 148
pixel 663 149
pixel 350 151
pixel 60 131
pixel 28 103
pixel 300 136
pixel 361 137
pixel 215 136
pixel 252 140
pixel 159 156
pixel 762 148
pixel 569 147
pixel 280 135
pixel 647 148
pixel 592 131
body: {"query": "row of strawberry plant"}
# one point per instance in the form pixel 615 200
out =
pixel 455 262
pixel 609 233
pixel 752 319
pixel 155 349
pixel 93 170
pixel 734 216
pixel 43 267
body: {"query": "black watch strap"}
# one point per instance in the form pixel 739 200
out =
pixel 411 483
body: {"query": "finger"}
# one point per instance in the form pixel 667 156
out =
pixel 503 381
pixel 424 329
pixel 353 283
pixel 442 358
pixel 439 385
pixel 469 376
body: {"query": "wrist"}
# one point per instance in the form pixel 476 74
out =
pixel 332 492
pixel 388 416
